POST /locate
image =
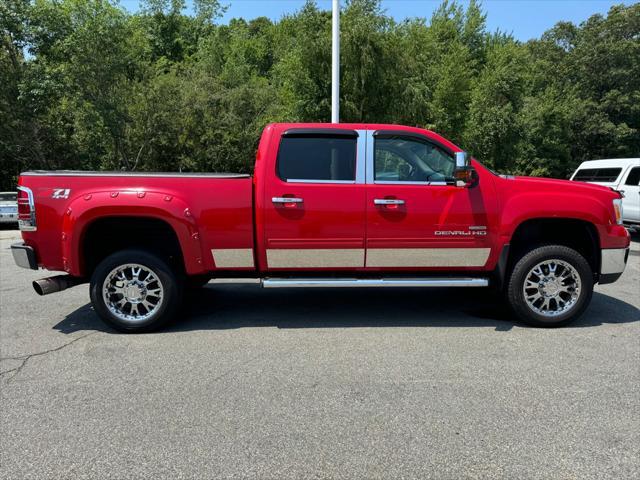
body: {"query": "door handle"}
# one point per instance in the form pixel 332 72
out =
pixel 388 201
pixel 286 200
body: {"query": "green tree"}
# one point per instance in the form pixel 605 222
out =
pixel 86 84
pixel 493 131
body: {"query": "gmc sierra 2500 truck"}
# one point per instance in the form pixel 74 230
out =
pixel 329 205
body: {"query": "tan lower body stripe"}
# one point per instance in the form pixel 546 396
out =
pixel 427 257
pixel 233 257
pixel 377 257
pixel 316 258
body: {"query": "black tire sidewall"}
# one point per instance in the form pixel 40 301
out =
pixel 521 269
pixel 166 276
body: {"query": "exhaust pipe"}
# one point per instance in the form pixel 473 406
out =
pixel 45 286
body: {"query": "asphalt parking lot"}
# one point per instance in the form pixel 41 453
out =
pixel 265 384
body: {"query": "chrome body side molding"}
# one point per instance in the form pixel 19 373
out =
pixel 373 282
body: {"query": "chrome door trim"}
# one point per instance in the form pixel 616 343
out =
pixel 391 182
pixel 361 157
pixel 370 151
pixel 304 180
pixel 370 179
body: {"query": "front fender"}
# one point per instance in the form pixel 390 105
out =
pixel 534 205
pixel 89 207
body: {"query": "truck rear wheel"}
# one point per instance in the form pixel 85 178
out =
pixel 550 286
pixel 135 291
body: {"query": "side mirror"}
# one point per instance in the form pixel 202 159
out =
pixel 465 174
pixel 462 160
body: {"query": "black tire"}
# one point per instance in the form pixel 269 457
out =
pixel 171 291
pixel 515 283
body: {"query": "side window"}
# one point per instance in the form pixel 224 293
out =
pixel 391 167
pixel 634 177
pixel 406 159
pixel 321 158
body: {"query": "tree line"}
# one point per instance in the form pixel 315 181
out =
pixel 86 84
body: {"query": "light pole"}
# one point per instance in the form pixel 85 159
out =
pixel 335 64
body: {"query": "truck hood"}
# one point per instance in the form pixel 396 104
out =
pixel 564 185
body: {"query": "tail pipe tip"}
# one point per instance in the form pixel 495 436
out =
pixel 48 285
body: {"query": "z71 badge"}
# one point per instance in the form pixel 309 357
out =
pixel 61 193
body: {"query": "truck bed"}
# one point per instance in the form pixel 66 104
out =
pixel 116 173
pixel 208 211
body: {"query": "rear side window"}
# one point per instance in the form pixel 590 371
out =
pixel 597 174
pixel 634 177
pixel 321 158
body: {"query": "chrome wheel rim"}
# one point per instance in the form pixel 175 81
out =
pixel 552 288
pixel 132 292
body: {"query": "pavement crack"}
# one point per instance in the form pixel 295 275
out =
pixel 25 358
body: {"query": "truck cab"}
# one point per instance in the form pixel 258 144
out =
pixel 370 198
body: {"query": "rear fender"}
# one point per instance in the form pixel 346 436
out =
pixel 83 210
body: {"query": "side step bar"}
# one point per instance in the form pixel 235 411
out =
pixel 374 282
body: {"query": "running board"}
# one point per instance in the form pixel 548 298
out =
pixel 373 282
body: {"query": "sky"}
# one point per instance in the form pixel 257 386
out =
pixel 525 19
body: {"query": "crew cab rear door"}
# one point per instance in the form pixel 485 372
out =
pixel 417 218
pixel 314 210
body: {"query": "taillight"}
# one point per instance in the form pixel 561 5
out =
pixel 26 210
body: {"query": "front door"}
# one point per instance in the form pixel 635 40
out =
pixel 315 205
pixel 417 218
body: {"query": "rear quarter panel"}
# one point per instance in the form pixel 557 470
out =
pixel 206 213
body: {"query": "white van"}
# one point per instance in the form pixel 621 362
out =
pixel 623 174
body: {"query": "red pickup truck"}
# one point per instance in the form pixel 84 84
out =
pixel 329 205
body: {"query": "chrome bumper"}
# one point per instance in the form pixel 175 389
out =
pixel 24 256
pixel 612 264
pixel 8 218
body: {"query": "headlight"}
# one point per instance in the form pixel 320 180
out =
pixel 617 208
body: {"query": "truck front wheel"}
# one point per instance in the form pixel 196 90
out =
pixel 135 291
pixel 550 286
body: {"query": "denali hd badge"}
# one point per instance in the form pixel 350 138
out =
pixel 479 231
